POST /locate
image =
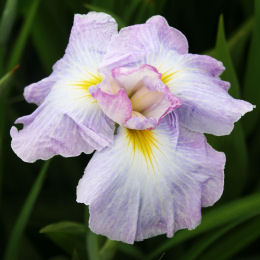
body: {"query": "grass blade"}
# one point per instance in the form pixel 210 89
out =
pixel 3 93
pixel 91 240
pixel 234 145
pixel 23 35
pixel 6 24
pixel 213 219
pixel 222 53
pixel 15 57
pixel 67 235
pixel 5 79
pixel 234 241
pixel 108 251
pixel 92 246
pixel 238 42
pixel 209 239
pixel 252 77
pixel 7 20
pixel 11 252
pixel 140 15
pixel 128 13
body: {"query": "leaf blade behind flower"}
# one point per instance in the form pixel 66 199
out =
pixel 252 75
pixel 11 252
pixel 233 145
pixel 6 24
pixel 23 35
pixel 3 107
pixel 213 219
pixel 235 240
pixel 68 235
pixel 208 240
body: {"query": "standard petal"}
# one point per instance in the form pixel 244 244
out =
pixel 207 107
pixel 87 45
pixel 151 182
pixel 169 37
pixel 143 44
pixel 194 79
pixel 68 122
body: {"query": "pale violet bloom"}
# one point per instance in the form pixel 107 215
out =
pixel 156 172
pixel 68 120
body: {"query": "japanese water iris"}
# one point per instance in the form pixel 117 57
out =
pixel 154 173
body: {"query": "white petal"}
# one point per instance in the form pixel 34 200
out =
pixel 89 38
pixel 67 123
pixel 151 182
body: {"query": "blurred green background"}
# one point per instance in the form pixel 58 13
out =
pixel 40 218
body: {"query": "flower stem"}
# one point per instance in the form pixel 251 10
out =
pixel 108 250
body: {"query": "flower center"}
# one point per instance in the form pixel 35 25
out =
pixel 143 99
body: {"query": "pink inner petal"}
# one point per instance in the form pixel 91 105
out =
pixel 131 79
pixel 148 95
pixel 135 98
pixel 113 100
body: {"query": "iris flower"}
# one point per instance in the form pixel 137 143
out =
pixel 144 103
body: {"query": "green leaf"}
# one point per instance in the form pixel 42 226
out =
pixel 7 21
pixel 67 235
pixel 222 53
pixel 91 239
pixel 23 35
pixel 208 240
pixel 92 246
pixel 238 42
pixel 4 80
pixel 234 241
pixel 13 61
pixel 120 22
pixel 215 218
pixel 11 252
pixel 234 145
pixel 3 94
pixel 140 15
pixel 129 12
pixel 108 251
pixel 252 77
pixel 66 227
pixel 6 24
